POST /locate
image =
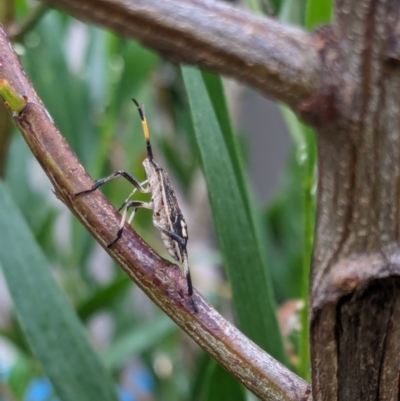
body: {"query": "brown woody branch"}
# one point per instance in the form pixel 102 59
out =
pixel 280 61
pixel 159 279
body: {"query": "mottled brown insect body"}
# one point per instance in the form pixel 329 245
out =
pixel 167 215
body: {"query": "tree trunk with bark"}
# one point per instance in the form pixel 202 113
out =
pixel 355 297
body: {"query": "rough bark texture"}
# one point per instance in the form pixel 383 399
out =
pixel 354 283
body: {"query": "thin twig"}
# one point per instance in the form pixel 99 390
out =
pixel 159 279
pixel 276 59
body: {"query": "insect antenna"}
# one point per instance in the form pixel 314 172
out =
pixel 145 128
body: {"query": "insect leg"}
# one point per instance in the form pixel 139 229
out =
pixel 130 195
pixel 186 271
pixel 176 237
pixel 126 174
pixel 136 205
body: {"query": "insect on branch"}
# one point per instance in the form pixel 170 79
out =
pixel 167 215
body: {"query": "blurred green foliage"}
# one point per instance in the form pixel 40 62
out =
pixel 86 77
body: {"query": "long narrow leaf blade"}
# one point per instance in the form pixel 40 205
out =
pixel 55 334
pixel 252 298
pixel 216 94
pixel 138 340
pixel 222 386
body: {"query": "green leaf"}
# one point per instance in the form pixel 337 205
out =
pixel 292 11
pixel 68 99
pixel 216 94
pixel 237 235
pixel 21 374
pixel 304 139
pixel 103 297
pixel 47 319
pixel 318 12
pixel 138 62
pixel 284 227
pixel 221 385
pixel 138 340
